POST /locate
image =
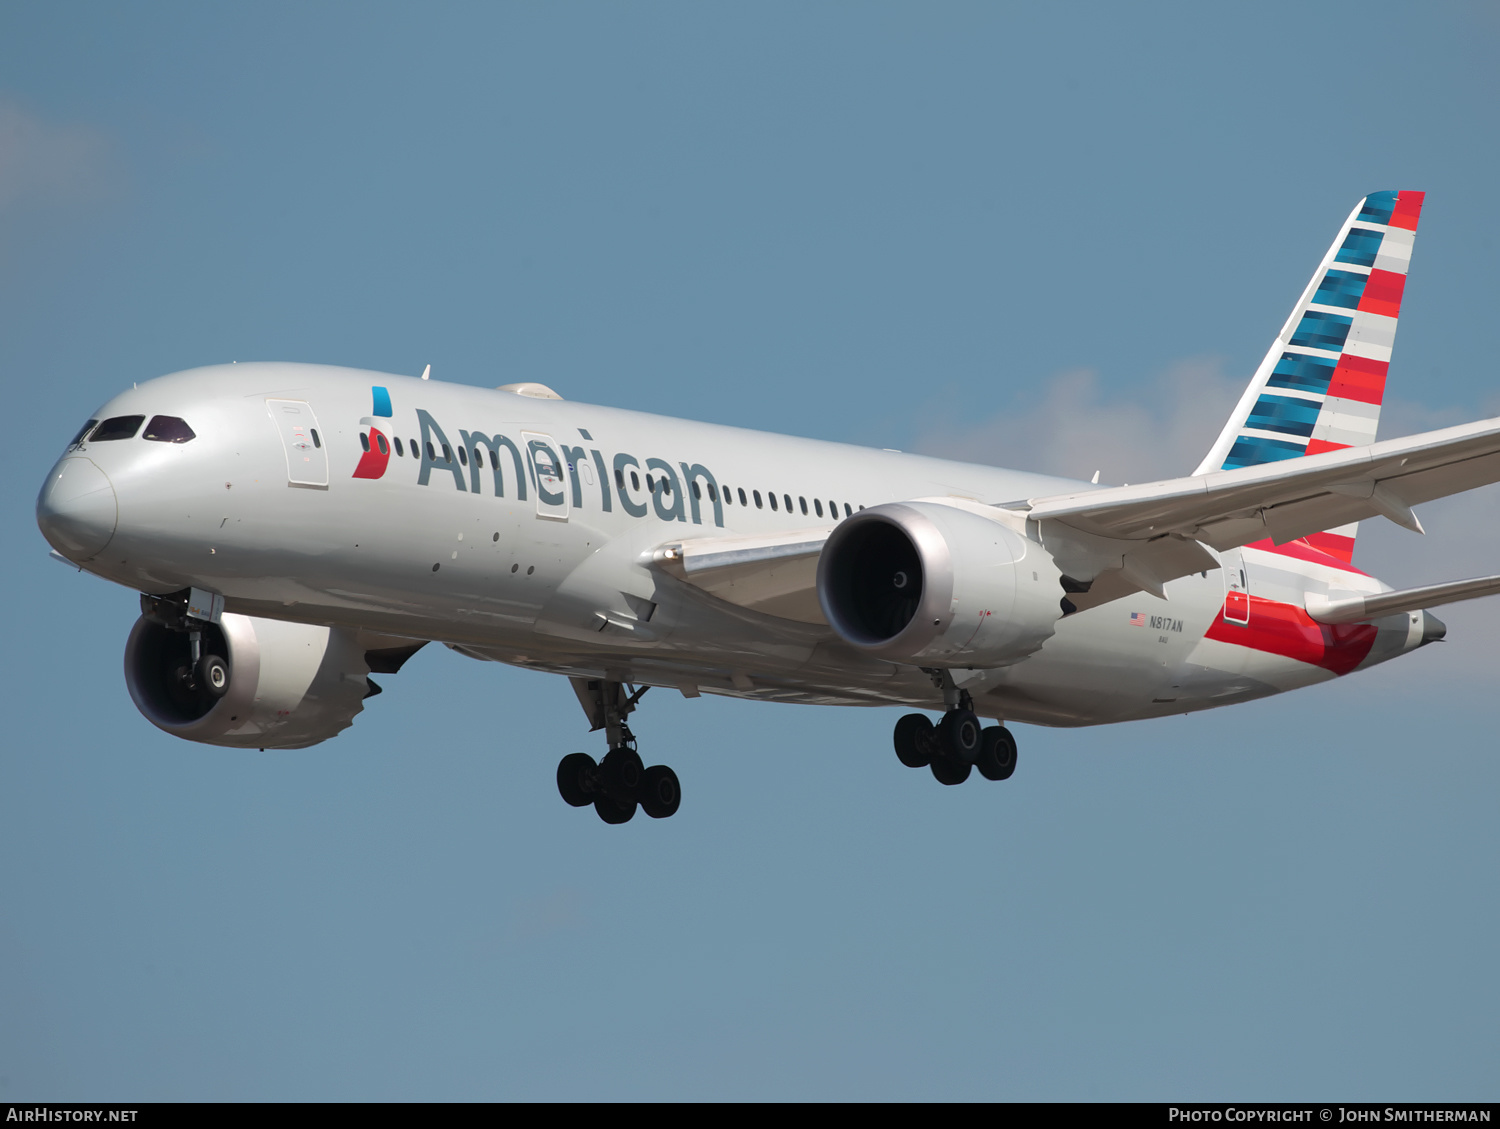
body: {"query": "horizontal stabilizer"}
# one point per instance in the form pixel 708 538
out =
pixel 1356 609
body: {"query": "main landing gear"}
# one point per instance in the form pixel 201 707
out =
pixel 621 782
pixel 958 744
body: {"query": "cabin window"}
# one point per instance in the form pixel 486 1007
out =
pixel 698 494
pixel 619 479
pixel 712 494
pixel 742 498
pixel 399 452
pixel 804 505
pixel 817 505
pixel 169 429
pixel 757 500
pixel 364 441
pixel 847 511
pixel 463 455
pixel 447 453
pixel 773 500
pixel 381 443
pixel 635 481
pixel 431 457
pixel 494 459
pixel 650 485
pixel 118 427
pixel 787 498
pixel 317 440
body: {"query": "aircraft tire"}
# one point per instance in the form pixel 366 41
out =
pixel 212 676
pixel 622 772
pixel 997 754
pixel 572 770
pixel 961 734
pixel 661 794
pixel 914 740
pixel 949 770
pixel 611 812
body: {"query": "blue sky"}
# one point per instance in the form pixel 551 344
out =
pixel 1044 237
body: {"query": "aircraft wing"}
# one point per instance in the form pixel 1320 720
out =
pixel 1288 499
pixel 776 575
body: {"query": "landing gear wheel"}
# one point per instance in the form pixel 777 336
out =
pixel 660 792
pixel 950 770
pixel 573 771
pixel 961 735
pixel 212 676
pixel 622 771
pixel 611 812
pixel 915 739
pixel 997 753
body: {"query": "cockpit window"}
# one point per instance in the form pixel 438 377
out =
pixel 82 431
pixel 168 429
pixel 117 427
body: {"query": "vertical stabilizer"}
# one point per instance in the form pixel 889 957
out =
pixel 1321 385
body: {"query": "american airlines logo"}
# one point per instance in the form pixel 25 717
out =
pixel 553 470
pixel 376 444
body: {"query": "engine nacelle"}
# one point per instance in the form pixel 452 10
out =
pixel 935 585
pixel 291 685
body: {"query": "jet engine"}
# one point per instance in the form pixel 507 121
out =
pixel 290 685
pixel 937 585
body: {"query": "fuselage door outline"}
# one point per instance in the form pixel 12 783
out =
pixel 551 479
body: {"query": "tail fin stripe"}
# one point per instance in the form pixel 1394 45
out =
pixel 1282 413
pixel 1360 247
pixel 1382 294
pixel 1318 330
pixel 1359 378
pixel 1303 373
pixel 1378 207
pixel 1341 288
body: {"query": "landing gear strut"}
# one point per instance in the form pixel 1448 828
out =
pixel 621 782
pixel 957 744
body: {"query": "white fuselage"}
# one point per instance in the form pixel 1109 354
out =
pixel 560 579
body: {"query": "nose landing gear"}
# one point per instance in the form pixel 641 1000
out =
pixel 621 782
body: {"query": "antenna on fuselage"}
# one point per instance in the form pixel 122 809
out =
pixel 1095 479
pixel 427 372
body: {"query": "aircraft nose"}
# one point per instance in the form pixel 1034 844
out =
pixel 1433 629
pixel 76 510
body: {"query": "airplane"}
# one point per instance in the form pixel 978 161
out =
pixel 294 529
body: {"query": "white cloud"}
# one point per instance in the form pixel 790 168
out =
pixel 44 163
pixel 1077 429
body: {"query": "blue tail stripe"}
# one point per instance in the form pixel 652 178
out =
pixel 1304 373
pixel 1378 207
pixel 1284 414
pixel 1360 247
pixel 1252 450
pixel 1322 331
pixel 1341 288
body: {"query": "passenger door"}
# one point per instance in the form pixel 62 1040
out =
pixel 306 457
pixel 551 478
pixel 1236 588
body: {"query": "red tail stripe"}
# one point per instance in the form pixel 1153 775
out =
pixel 1303 549
pixel 1282 629
pixel 1408 210
pixel 1383 293
pixel 1358 378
